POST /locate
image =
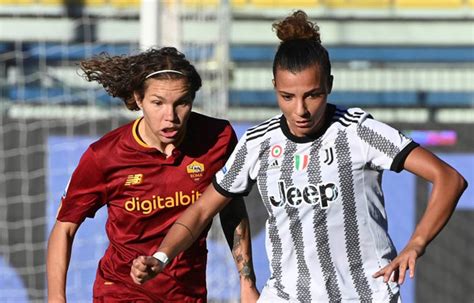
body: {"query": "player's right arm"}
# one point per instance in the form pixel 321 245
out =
pixel 57 260
pixel 182 234
pixel 196 217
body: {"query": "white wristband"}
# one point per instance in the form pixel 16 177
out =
pixel 162 257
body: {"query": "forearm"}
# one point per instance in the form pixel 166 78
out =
pixel 235 224
pixel 444 196
pixel 192 222
pixel 184 232
pixel 448 185
pixel 57 262
pixel 242 252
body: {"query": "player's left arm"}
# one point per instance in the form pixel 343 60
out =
pixel 235 224
pixel 448 186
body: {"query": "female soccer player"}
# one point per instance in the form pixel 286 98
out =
pixel 147 173
pixel 318 168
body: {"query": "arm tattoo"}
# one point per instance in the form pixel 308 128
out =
pixel 237 238
pixel 235 224
pixel 247 271
pixel 243 262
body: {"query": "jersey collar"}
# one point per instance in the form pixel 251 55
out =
pixel 142 146
pixel 330 109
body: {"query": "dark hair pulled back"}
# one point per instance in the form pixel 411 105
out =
pixel 300 45
pixel 121 76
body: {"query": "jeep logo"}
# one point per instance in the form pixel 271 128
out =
pixel 321 194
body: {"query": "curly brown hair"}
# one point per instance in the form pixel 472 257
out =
pixel 300 45
pixel 122 76
pixel 296 26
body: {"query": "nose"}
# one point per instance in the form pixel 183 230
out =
pixel 300 108
pixel 170 113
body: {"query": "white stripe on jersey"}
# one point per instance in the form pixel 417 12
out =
pixel 326 231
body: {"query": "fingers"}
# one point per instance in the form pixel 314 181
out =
pixel 402 272
pixel 396 275
pixel 391 269
pixel 139 263
pixel 150 261
pixel 386 272
pixel 408 264
pixel 411 265
pixel 138 271
pixel 144 268
pixel 135 277
pixel 396 270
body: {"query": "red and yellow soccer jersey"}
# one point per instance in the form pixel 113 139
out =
pixel 145 193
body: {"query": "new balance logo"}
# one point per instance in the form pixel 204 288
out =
pixel 329 156
pixel 134 179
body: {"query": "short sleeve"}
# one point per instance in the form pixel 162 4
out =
pixel 385 147
pixel 85 193
pixel 235 178
pixel 232 141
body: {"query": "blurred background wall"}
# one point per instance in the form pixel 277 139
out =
pixel 408 62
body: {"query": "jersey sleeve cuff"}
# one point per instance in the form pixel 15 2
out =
pixel 397 164
pixel 226 193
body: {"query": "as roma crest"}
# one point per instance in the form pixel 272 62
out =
pixel 195 170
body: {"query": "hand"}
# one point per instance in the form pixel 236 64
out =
pixel 406 260
pixel 145 268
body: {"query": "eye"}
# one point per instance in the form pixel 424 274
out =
pixel 287 97
pixel 183 102
pixel 315 95
pixel 157 102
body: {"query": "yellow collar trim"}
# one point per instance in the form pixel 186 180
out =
pixel 135 133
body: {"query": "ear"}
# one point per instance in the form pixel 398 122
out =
pixel 274 83
pixel 330 81
pixel 138 100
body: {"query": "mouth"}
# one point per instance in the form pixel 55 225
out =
pixel 170 132
pixel 303 123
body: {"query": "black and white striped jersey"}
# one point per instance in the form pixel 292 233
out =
pixel 327 230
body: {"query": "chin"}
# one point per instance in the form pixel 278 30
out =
pixel 168 140
pixel 303 132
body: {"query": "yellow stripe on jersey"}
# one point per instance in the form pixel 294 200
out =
pixel 135 133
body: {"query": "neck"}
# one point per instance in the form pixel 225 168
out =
pixel 151 140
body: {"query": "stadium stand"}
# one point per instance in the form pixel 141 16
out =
pixel 55 54
pixel 284 3
pixel 358 4
pixel 241 53
pixel 55 43
pixel 429 4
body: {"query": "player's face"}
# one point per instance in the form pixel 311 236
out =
pixel 166 107
pixel 302 98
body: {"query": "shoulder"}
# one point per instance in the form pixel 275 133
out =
pixel 110 139
pixel 200 119
pixel 349 117
pixel 261 131
pixel 206 132
pixel 204 124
